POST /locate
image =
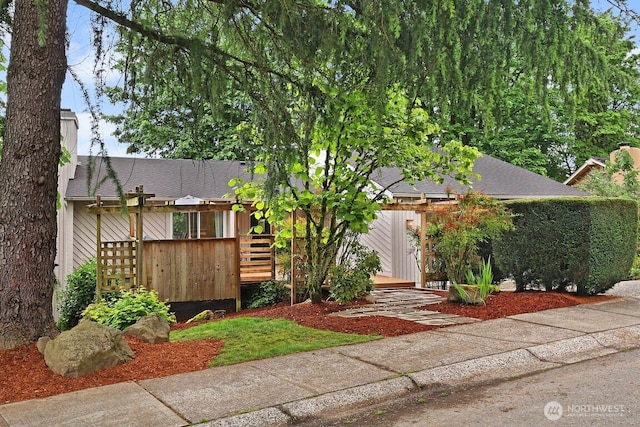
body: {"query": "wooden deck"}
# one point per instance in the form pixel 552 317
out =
pixel 391 282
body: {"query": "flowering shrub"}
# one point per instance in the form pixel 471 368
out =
pixel 458 229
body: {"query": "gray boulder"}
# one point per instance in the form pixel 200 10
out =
pixel 42 344
pixel 152 329
pixel 86 348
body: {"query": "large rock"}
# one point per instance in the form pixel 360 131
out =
pixel 152 328
pixel 88 347
pixel 42 344
pixel 207 315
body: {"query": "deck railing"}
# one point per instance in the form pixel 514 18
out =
pixel 257 258
pixel 189 269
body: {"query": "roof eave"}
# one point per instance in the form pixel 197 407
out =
pixel 582 170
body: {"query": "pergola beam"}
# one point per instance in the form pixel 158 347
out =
pixel 169 208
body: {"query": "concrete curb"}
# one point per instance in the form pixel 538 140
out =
pixel 571 350
pixel 314 406
pixel 620 339
pixel 268 417
pixel 471 372
pixel 474 371
pixel 350 398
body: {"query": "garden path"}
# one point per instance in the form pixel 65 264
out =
pixel 402 303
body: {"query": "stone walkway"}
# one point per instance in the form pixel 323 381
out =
pixel 403 303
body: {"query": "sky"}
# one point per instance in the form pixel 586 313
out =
pixel 80 58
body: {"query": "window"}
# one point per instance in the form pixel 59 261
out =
pixel 194 225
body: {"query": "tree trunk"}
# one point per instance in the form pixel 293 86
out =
pixel 29 171
pixel 320 257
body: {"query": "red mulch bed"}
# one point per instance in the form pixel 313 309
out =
pixel 24 374
pixel 505 304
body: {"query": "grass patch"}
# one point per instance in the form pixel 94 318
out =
pixel 251 338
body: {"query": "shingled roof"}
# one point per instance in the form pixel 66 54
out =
pixel 171 179
pixel 168 179
pixel 499 179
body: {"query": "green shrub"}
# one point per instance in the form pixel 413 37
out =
pixel 478 287
pixel 485 251
pixel 80 291
pixel 484 276
pixel 586 242
pixel 124 309
pixel 268 293
pixel 351 278
pixel 634 272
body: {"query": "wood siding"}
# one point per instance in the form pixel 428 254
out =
pixel 114 228
pixel 64 248
pixel 378 238
pixel 191 270
pixel 388 237
pixel 404 261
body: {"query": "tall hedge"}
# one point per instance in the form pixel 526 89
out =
pixel 588 242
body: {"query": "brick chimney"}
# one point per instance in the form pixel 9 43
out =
pixel 633 152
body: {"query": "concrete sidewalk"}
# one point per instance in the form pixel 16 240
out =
pixel 283 390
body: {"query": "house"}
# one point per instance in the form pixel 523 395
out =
pixel 592 164
pixel 195 182
pixel 388 234
pixel 599 163
pixel 178 182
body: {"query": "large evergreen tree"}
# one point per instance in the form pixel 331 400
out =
pixel 544 84
pixel 454 56
pixel 609 111
pixel 28 171
pixel 519 80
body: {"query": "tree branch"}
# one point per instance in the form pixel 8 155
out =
pixel 624 8
pixel 185 43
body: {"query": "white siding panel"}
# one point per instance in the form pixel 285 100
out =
pixel 157 226
pixel 114 227
pixel 64 237
pixel 378 238
pixel 404 265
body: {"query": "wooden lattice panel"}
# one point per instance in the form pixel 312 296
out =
pixel 118 266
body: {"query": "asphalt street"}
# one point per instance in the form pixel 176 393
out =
pixel 599 392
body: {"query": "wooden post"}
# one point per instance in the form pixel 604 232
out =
pixel 237 264
pixel 136 199
pixel 98 251
pixel 273 252
pixel 293 257
pixel 423 249
pixel 132 225
pixel 139 238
